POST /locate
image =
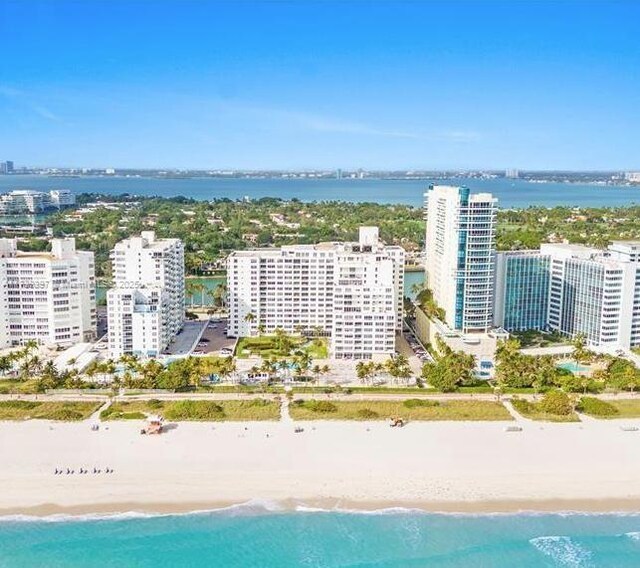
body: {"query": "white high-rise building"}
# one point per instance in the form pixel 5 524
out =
pixel 145 307
pixel 592 293
pixel 48 297
pixel 460 255
pixel 573 289
pixel 352 291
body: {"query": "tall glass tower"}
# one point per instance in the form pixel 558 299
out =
pixel 522 290
pixel 460 255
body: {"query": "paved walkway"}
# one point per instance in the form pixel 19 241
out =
pixel 96 415
pixel 514 413
pixel 285 417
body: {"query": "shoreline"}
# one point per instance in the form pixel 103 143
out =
pixel 50 511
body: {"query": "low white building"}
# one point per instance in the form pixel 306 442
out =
pixel 48 297
pixel 61 198
pixel 145 308
pixel 27 201
pixel 352 291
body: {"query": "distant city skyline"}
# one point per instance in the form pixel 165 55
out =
pixel 321 85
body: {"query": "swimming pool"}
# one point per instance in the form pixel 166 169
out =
pixel 573 367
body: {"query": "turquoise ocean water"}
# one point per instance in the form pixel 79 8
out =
pixel 253 537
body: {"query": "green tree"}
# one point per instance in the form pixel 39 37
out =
pixel 556 402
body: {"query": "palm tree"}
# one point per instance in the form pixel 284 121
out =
pixel 203 291
pixel 317 371
pixel 72 379
pixel 254 370
pixel 190 290
pixel 30 366
pixel 31 345
pixel 228 367
pixel 130 362
pixel 580 351
pixel 250 318
pixel 150 371
pixel 91 370
pixel 365 370
pixel 6 364
pixel 630 378
pixel 108 368
pixel 283 341
pixel 219 294
pixel 198 287
pixel 303 362
pixel 195 372
pixel 417 287
pixel 49 377
pixel 398 367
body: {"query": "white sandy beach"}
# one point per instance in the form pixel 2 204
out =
pixel 437 466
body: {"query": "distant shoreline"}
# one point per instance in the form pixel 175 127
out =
pixel 297 177
pixel 512 193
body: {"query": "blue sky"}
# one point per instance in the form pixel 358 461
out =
pixel 541 85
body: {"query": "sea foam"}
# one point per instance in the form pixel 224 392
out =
pixel 256 507
pixel 252 507
pixel 563 550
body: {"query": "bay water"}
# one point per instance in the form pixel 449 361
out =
pixel 511 193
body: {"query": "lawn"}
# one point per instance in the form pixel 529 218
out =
pixel 34 410
pixel 267 346
pixel 532 411
pixel 625 408
pixel 130 410
pixel 534 338
pixel 195 410
pixel 410 409
pixel 17 386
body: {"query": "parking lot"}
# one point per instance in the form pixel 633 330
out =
pixel 214 339
pixel 183 342
pixel 420 352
